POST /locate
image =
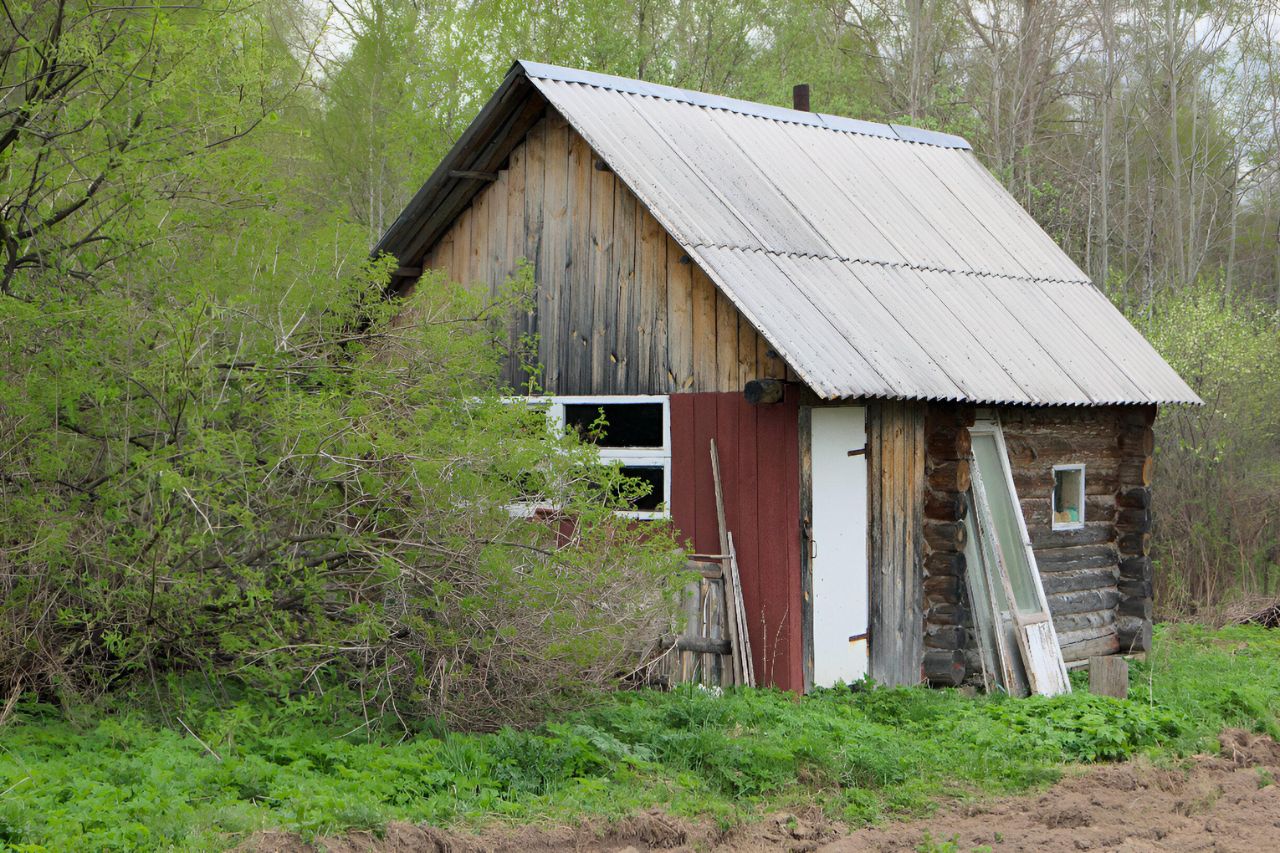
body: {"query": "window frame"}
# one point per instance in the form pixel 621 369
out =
pixel 1053 498
pixel 647 457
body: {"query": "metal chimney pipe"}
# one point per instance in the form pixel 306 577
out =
pixel 800 97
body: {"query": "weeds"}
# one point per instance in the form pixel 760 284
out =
pixel 129 781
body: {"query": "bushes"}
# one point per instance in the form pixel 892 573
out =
pixel 191 485
pixel 1217 534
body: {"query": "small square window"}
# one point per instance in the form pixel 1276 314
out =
pixel 1068 497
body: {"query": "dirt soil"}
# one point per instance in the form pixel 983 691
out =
pixel 1226 802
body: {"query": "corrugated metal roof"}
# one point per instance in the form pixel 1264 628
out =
pixel 878 260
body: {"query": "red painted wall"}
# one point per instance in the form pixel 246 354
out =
pixel 760 466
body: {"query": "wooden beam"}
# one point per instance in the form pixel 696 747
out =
pixel 472 174
pixel 408 272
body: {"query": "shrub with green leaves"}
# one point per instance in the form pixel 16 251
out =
pixel 191 484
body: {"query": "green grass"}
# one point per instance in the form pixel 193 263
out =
pixel 127 780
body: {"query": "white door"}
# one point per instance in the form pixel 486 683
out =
pixel 838 544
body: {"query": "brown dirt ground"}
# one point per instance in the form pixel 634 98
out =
pixel 1227 802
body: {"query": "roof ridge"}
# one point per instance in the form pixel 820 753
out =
pixel 779 253
pixel 842 124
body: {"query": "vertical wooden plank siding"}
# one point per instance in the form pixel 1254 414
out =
pixel 895 446
pixel 620 307
pixel 625 318
pixel 551 136
pixel 759 450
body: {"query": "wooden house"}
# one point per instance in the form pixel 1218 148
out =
pixel 870 327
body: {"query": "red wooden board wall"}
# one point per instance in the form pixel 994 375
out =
pixel 760 466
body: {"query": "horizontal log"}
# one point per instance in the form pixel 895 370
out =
pixel 1133 520
pixel 946 637
pixel 1137 568
pixel 1075 557
pixel 944 563
pixel 1138 441
pixel 946 613
pixel 945 535
pixel 949 476
pixel 1134 634
pixel 945 506
pixel 944 668
pixel 1090 620
pixel 1134 588
pixel 1139 607
pixel 1108 644
pixel 1137 497
pixel 1093 533
pixel 1062 449
pixel 1083 601
pixel 1037 509
pixel 1137 472
pixel 949 445
pixel 1134 544
pixel 942 588
pixel 1099 479
pixel 1080 579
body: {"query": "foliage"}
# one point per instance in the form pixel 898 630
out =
pixel 1217 534
pixel 323 497
pixel 112 112
pixel 135 780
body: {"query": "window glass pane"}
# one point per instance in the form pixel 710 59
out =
pixel 655 477
pixel 1067 487
pixel 1003 506
pixel 616 424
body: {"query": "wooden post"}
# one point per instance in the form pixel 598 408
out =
pixel 1109 676
pixel 731 611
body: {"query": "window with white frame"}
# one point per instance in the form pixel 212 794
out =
pixel 1068 497
pixel 631 431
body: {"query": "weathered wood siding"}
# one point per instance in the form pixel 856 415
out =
pixel 896 465
pixel 759 451
pixel 620 308
pixel 1097 579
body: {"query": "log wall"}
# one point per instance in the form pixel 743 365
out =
pixel 1097 579
pixel 947 622
pixel 620 308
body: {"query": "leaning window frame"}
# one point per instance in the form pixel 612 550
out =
pixel 1053 498
pixel 651 457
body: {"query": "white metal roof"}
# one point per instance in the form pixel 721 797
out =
pixel 878 260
